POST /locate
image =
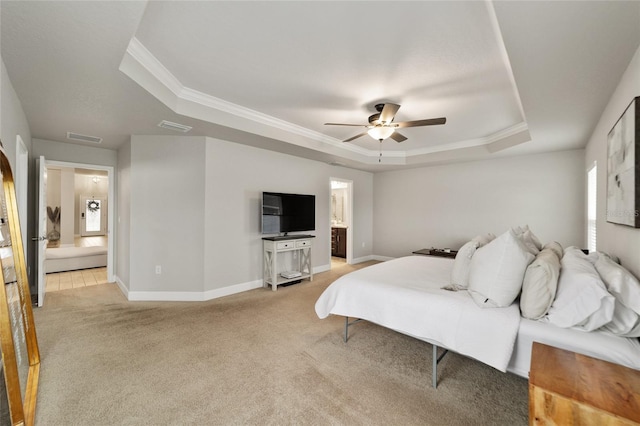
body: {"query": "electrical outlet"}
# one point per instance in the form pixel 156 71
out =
pixel 363 244
pixel 158 269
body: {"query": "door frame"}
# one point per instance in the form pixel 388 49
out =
pixel 22 188
pixel 110 206
pixel 348 214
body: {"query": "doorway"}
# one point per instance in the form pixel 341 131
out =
pixel 76 218
pixel 341 212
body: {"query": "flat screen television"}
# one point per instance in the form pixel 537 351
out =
pixel 284 213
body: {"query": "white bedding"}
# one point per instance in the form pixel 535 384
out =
pixel 405 295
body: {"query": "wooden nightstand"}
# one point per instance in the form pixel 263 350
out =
pixel 566 388
pixel 436 252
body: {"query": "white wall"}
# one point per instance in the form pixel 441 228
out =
pixel 193 207
pixel 13 122
pixel 445 206
pixel 167 201
pixel 236 177
pixel 619 240
pixel 74 153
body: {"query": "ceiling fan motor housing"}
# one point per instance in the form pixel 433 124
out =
pixel 374 119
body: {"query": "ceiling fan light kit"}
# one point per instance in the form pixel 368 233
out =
pixel 380 133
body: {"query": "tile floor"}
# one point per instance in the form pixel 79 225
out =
pixel 74 279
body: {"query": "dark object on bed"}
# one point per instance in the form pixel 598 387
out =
pixel 436 252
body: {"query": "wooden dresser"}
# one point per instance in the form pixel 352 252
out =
pixel 566 388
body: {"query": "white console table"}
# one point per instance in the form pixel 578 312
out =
pixel 296 245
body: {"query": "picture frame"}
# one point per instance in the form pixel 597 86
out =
pixel 623 168
pixel 20 360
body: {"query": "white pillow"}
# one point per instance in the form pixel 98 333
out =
pixel 497 270
pixel 620 282
pixel 556 247
pixel 461 265
pixel 626 290
pixel 582 301
pixel 625 322
pixel 483 240
pixel 531 242
pixel 540 284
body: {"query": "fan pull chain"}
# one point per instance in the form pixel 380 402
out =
pixel 380 157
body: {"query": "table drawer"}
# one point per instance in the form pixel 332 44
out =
pixel 285 245
pixel 303 243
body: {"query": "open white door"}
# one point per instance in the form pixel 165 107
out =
pixel 41 170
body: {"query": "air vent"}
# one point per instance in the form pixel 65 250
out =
pixel 174 126
pixel 83 138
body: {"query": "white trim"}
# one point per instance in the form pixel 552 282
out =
pixel 381 258
pixel 348 213
pixel 145 58
pixel 592 204
pixel 111 202
pixel 22 187
pixel 190 296
pixel 363 259
pixel 183 98
pixel 123 288
pixel 471 143
pixel 321 268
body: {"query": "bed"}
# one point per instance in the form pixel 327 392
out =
pixel 73 258
pixel 406 295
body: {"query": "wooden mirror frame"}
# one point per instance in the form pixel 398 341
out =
pixel 17 328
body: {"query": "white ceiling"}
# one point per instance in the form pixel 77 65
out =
pixel 510 77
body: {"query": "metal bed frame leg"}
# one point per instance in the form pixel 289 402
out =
pixel 435 358
pixel 346 327
pixel 435 361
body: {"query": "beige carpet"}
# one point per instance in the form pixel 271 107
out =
pixel 259 357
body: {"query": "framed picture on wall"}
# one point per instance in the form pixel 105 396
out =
pixel 623 168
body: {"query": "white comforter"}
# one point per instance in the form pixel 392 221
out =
pixel 405 295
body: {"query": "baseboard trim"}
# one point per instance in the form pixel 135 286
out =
pixel 123 288
pixel 322 268
pixel 195 296
pixel 187 296
pixel 382 258
pixel 233 289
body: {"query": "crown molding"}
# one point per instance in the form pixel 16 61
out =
pixel 156 78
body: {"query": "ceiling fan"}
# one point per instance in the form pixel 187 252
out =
pixel 381 125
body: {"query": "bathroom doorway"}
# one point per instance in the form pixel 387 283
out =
pixel 341 222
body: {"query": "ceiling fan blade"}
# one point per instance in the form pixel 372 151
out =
pixel 398 137
pixel 355 137
pixel 388 112
pixel 417 123
pixel 344 124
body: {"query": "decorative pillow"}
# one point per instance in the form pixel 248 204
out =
pixel 497 270
pixel 461 265
pixel 582 301
pixel 556 247
pixel 626 290
pixel 531 242
pixel 540 284
pixel 597 254
pixel 483 240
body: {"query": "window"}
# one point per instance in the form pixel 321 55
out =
pixel 592 191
